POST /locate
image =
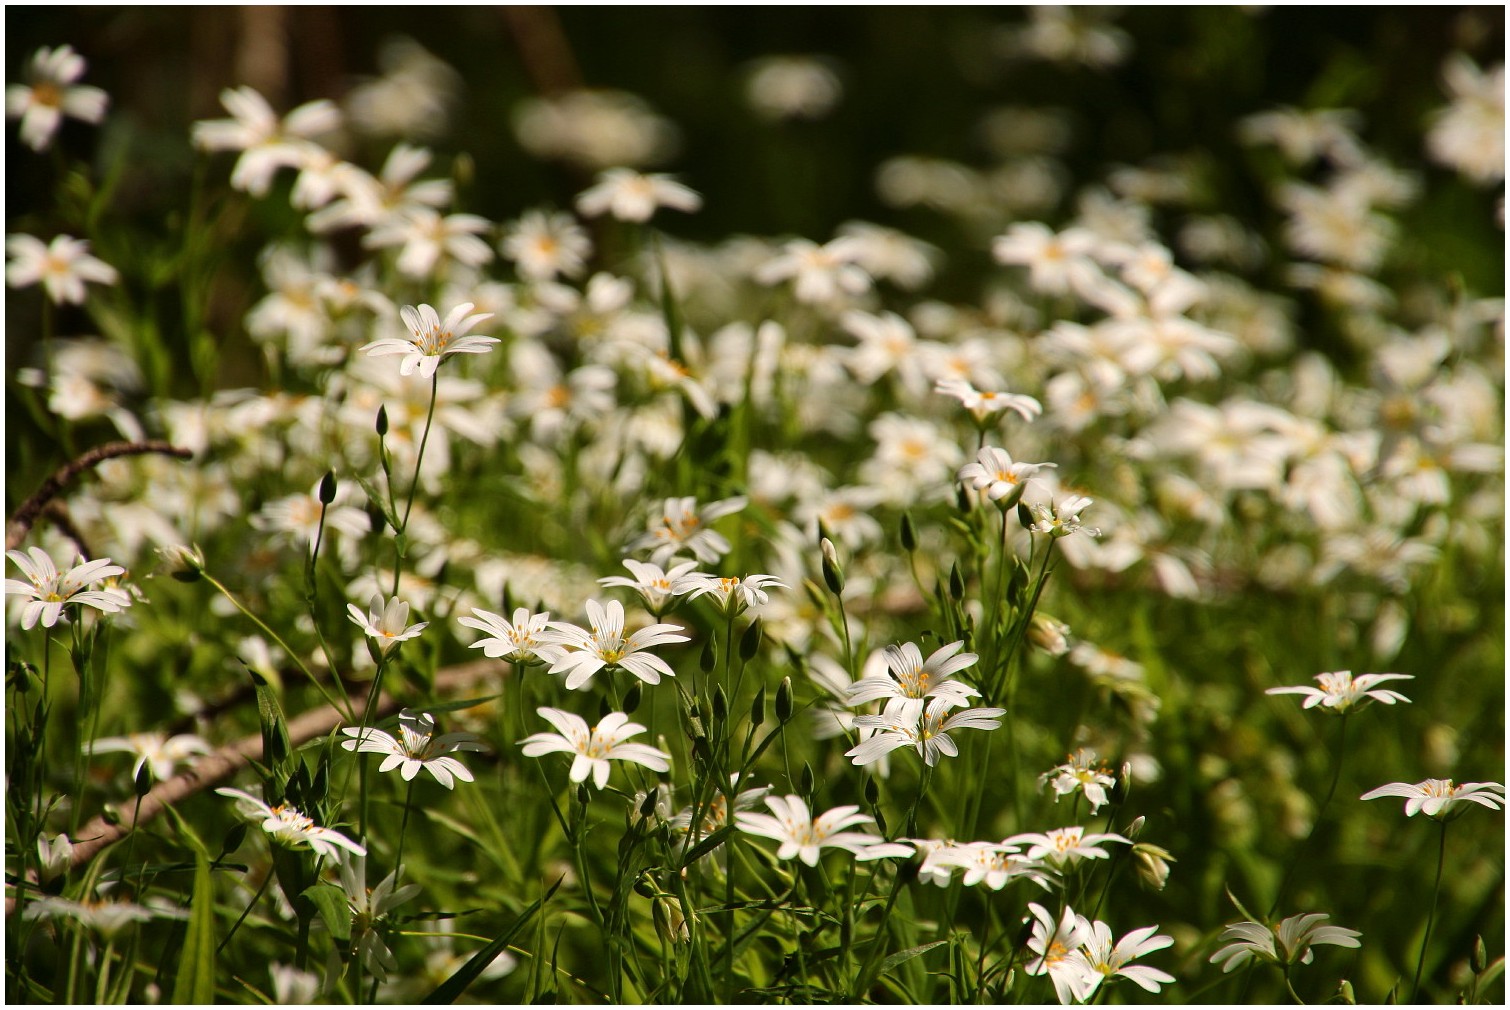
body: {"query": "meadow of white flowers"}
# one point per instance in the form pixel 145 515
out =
pixel 552 609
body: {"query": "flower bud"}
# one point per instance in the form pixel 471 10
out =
pixel 956 583
pixel 808 781
pixel 720 705
pixel 909 533
pixel 833 574
pixel 328 487
pixel 709 658
pixel 632 698
pixel 749 643
pixel 1345 993
pixel 757 708
pixel 1479 959
pixel 1050 635
pixel 55 856
pixel 1152 863
pixel 182 562
pixel 1024 516
pixel 382 420
pixel 785 703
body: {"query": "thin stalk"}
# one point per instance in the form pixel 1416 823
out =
pixel 414 484
pixel 338 705
pixel 1431 917
pixel 398 860
pixel 1320 813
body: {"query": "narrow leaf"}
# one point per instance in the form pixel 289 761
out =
pixel 451 988
pixel 196 964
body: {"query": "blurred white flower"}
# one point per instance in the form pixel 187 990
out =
pixel 544 245
pixel 632 196
pixel 683 526
pixel 595 129
pixel 792 87
pixel 413 97
pixel 158 751
pixel 266 142
pixel 52 95
pixel 999 476
pixel 1469 134
pixel 63 266
pixel 429 240
pixel 1080 771
pixel 821 274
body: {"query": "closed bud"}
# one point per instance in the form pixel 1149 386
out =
pixel 182 562
pixel 956 583
pixel 1024 516
pixel 872 791
pixel 749 643
pixel 808 781
pixel 1152 863
pixel 1049 635
pixel 1136 827
pixel 382 421
pixel 1480 957
pixel 909 533
pixel 328 487
pixel 757 708
pixel 233 838
pixel 632 698
pixel 54 856
pixel 647 809
pixel 143 780
pixel 785 703
pixel 709 658
pixel 720 705
pixel 962 498
pixel 1345 993
pixel 833 574
pixel 643 885
pixel 583 794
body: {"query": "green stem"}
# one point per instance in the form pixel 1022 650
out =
pixel 1431 917
pixel 414 484
pixel 1316 822
pixel 338 705
pixel 398 860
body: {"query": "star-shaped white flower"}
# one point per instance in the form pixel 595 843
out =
pixel 1341 692
pixel 387 622
pixel 289 826
pixel 605 646
pixel 433 340
pixel 51 591
pixel 803 835
pixel 593 748
pixel 417 746
pixel 52 95
pixel 62 266
pixel 522 640
pixel 1439 797
pixel 999 476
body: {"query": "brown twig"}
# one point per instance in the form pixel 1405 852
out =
pixel 21 523
pixel 99 833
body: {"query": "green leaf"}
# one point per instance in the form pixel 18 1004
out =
pixel 196 964
pixel 330 900
pixel 276 748
pixel 451 988
pixel 707 845
pixel 377 500
pixel 907 955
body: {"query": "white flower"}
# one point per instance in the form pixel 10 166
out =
pixel 1080 771
pixel 429 238
pixel 606 646
pixel 820 274
pixel 803 835
pixel 632 196
pixel 53 95
pixel 288 826
pixel 982 404
pixel 107 917
pixel 1469 134
pixel 1052 943
pixel 1063 517
pixel 925 730
pixel 594 748
pixel 157 750
pixel 1438 797
pixel 63 267
pixel 432 340
pixel 369 905
pixel 999 476
pixel 912 680
pixel 792 87
pixel 1058 263
pixel 51 591
pixel 1288 943
pixel 1102 961
pixel 732 596
pixel 416 747
pixel 993 863
pixel 1061 848
pixel 656 587
pixel 521 641
pixel 682 526
pixel 386 622
pixel 1340 692
pixel 544 245
pixel 267 143
pixel 54 856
